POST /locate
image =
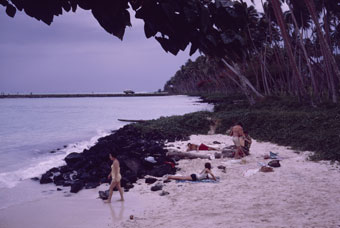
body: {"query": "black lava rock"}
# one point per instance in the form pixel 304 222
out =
pixel 77 186
pixel 150 180
pixel 157 187
pixel 73 158
pixel 46 178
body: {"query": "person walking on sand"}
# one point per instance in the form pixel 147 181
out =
pixel 195 177
pixel 116 177
pixel 237 133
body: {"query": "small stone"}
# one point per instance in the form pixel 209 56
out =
pixel 150 180
pixel 164 193
pixel 157 187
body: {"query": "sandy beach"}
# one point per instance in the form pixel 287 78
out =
pixel 300 193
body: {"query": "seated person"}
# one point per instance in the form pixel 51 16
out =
pixel 247 143
pixel 192 146
pixel 195 177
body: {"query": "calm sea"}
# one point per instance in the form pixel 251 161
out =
pixel 36 134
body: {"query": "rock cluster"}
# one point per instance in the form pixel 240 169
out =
pixel 91 167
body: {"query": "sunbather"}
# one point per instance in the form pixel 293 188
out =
pixel 196 147
pixel 195 177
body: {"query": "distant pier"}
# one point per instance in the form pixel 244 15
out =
pixel 83 95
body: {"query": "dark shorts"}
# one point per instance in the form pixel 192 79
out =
pixel 193 177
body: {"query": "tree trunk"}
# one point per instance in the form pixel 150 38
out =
pixel 245 85
pixel 279 17
pixel 328 55
pixel 297 31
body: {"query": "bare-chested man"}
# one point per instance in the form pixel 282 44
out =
pixel 237 132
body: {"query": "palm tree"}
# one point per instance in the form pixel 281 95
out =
pixel 285 35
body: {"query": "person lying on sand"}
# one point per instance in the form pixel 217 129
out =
pixel 195 177
pixel 116 177
pixel 191 146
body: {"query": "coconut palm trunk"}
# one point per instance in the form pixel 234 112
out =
pixel 309 65
pixel 297 75
pixel 328 55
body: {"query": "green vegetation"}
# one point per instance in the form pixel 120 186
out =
pixel 176 127
pixel 284 121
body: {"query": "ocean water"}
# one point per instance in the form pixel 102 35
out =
pixel 36 134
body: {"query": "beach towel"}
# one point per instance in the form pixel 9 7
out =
pixel 200 181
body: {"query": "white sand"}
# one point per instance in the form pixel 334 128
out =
pixel 300 193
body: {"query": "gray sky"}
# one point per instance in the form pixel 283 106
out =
pixel 75 54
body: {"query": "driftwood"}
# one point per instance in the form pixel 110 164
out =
pixel 186 155
pixel 133 121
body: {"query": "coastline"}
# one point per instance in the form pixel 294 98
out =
pixel 84 95
pixel 300 193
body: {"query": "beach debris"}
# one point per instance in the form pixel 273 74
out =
pixel 274 163
pixel 157 187
pixel 218 155
pixel 104 195
pixel 131 217
pixel 150 180
pixel 224 169
pixel 166 181
pixel 266 169
pixel 164 193
pixel 150 159
pixel 35 178
pixel 228 152
pixel 273 155
pixel 216 142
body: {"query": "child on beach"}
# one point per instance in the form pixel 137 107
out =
pixel 116 177
pixel 195 177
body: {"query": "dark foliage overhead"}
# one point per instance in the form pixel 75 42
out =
pixel 212 27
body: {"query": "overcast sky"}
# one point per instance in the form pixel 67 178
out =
pixel 75 54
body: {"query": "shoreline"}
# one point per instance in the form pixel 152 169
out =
pixel 300 193
pixel 83 95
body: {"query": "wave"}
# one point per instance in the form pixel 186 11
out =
pixel 40 165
